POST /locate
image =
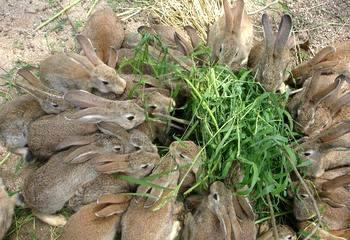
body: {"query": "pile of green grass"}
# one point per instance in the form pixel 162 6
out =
pixel 234 121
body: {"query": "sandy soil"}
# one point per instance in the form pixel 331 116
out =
pixel 322 21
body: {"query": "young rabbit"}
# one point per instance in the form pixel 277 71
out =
pixel 7 209
pixel 52 185
pixel 127 113
pixel 99 220
pixel 331 59
pixel 48 134
pixel 106 33
pixel 15 118
pixel 220 216
pixel 270 59
pixel 158 222
pixel 337 205
pixel 320 109
pixel 231 36
pixel 50 100
pixel 327 150
pixel 66 71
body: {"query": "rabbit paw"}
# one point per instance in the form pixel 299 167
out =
pixel 52 220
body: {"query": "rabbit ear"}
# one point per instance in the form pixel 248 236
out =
pixel 113 129
pixel 39 94
pixel 76 141
pixel 84 99
pixel 90 115
pixel 89 67
pixel 146 29
pixel 89 50
pixel 326 66
pixel 82 154
pixel 182 43
pixel 283 33
pixel 111 163
pixel 237 13
pixel 268 34
pixel 332 203
pixel 113 57
pixel 111 210
pixel 113 198
pixel 336 183
pixel 334 132
pixel 246 207
pixel 321 55
pixel 192 33
pixel 228 16
pixel 332 100
pixel 27 75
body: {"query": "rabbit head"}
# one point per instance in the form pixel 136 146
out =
pixel 103 77
pixel 271 70
pixel 318 107
pixel 303 208
pixel 138 164
pixel 106 32
pixel 231 37
pixel 50 100
pixel 97 109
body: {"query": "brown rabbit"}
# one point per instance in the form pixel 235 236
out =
pixel 106 33
pixel 127 113
pixel 231 36
pixel 50 100
pixel 7 209
pixel 326 151
pixel 270 59
pixel 320 109
pixel 66 71
pixel 220 216
pixel 331 59
pixel 99 220
pixel 15 118
pixel 46 134
pixel 334 201
pixel 284 233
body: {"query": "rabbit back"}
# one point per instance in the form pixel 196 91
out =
pixel 85 225
pixel 91 191
pixel 15 117
pixel 7 206
pixel 46 133
pixel 54 183
pixel 64 73
pixel 105 30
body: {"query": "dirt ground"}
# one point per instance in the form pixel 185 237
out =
pixel 323 22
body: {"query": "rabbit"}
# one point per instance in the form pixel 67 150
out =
pixel 331 59
pixel 319 110
pixel 330 195
pixel 7 209
pixel 106 32
pixel 175 163
pixel 231 36
pixel 127 114
pixel 321 233
pixel 326 150
pixel 66 71
pixel 99 220
pixel 284 233
pixel 46 134
pixel 15 118
pixel 50 100
pixel 131 40
pixel 156 222
pixel 220 215
pixel 56 182
pixel 270 59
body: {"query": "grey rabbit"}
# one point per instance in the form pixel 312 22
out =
pixel 270 59
pixel 7 209
pixel 15 118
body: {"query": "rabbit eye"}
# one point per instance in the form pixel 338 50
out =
pixel 304 196
pixel 55 105
pixel 105 82
pixel 153 107
pixel 216 196
pixel 145 166
pixel 117 148
pixel 182 156
pixel 307 154
pixel 289 237
pixel 130 118
pixel 221 48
